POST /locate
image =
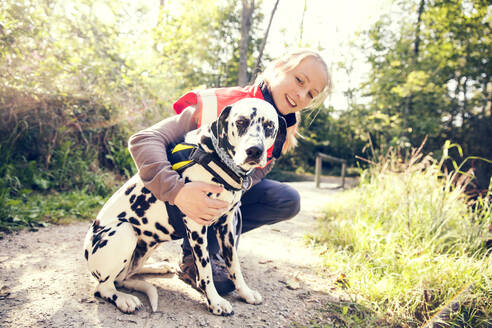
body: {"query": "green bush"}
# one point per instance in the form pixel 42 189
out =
pixel 407 242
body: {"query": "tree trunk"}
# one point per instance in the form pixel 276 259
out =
pixel 263 43
pixel 409 105
pixel 246 15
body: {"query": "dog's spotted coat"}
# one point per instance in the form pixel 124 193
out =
pixel 133 223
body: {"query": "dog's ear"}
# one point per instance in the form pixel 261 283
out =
pixel 222 122
pixel 280 138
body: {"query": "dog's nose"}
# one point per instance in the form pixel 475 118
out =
pixel 255 152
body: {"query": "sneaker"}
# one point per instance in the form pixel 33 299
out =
pixel 187 273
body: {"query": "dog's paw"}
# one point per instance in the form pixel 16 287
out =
pixel 127 303
pixel 250 296
pixel 221 307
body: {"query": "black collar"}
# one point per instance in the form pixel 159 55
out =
pixel 290 119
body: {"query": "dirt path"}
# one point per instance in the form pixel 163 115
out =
pixel 45 282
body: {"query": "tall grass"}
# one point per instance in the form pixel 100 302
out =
pixel 407 242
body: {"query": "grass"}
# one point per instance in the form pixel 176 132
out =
pixel 34 209
pixel 407 242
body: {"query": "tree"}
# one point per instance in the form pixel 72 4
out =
pixel 256 69
pixel 246 16
pixel 430 75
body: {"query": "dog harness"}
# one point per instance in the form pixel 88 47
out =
pixel 184 155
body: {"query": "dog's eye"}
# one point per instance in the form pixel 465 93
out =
pixel 242 122
pixel 268 126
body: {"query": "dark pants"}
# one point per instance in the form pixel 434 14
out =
pixel 267 202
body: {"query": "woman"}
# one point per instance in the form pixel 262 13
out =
pixel 296 81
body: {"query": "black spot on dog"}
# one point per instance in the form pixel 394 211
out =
pixel 110 300
pixel 222 220
pixel 140 205
pixel 86 254
pixel 152 199
pixel 152 244
pixel 204 230
pixel 203 262
pixel 105 279
pixel 140 250
pixel 175 236
pixel 209 194
pixel 134 221
pixel 98 241
pixel 130 189
pixel 187 180
pixel 207 141
pixel 112 233
pixel 96 275
pixel 148 233
pixel 121 215
pixel 97 294
pixel 103 243
pixel 132 198
pixel 203 285
pixel 145 221
pixel 227 254
pixel 96 227
pixel 137 230
pixel 198 251
pixel 115 297
pixel 161 228
pixel 194 235
pixel 268 133
pixel 200 240
pixel 145 190
pixel 242 129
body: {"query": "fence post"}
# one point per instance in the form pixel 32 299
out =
pixel 344 166
pixel 317 171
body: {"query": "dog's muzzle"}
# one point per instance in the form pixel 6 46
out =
pixel 254 154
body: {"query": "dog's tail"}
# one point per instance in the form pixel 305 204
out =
pixel 144 287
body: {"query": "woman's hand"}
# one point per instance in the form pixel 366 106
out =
pixel 193 201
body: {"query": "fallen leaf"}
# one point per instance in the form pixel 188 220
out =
pixel 265 261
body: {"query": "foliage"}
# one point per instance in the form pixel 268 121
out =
pixel 407 241
pixel 430 77
pixel 77 78
pixel 34 210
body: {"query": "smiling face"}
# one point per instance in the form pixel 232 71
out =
pixel 294 89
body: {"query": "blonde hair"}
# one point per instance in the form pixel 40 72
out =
pixel 287 63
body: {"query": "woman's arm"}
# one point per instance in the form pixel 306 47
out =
pixel 148 149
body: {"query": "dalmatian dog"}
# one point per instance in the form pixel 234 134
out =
pixel 133 223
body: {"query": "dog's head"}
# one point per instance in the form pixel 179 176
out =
pixel 247 129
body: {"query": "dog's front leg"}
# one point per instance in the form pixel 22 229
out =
pixel 197 235
pixel 227 241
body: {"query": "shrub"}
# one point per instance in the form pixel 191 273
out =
pixel 408 242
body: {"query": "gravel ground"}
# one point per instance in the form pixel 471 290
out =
pixel 45 282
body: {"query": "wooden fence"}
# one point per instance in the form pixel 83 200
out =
pixel 319 159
